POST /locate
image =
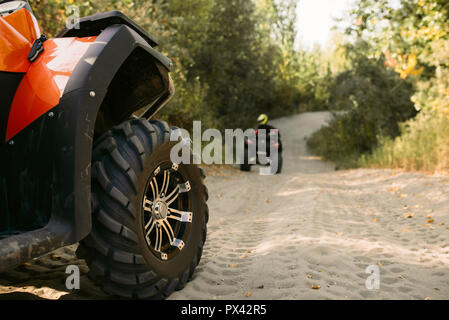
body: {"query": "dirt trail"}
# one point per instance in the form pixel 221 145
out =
pixel 309 233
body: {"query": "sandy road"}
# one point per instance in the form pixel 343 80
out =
pixel 278 237
pixel 309 233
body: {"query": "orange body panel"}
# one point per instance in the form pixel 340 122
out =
pixel 45 81
pixel 18 31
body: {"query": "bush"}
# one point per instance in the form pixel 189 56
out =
pixel 374 100
pixel 424 142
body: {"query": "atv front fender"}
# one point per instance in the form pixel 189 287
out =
pixel 62 139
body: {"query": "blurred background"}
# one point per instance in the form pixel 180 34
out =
pixel 381 67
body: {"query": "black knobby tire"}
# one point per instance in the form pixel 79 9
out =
pixel 120 258
pixel 245 166
pixel 280 163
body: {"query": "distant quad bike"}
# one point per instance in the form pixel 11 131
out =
pixel 263 149
pixel 81 161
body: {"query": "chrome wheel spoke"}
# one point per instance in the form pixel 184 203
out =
pixel 182 216
pixel 172 196
pixel 163 182
pixel 158 243
pixel 152 223
pixel 164 190
pixel 147 205
pixel 152 190
pixel 156 186
pixel 168 229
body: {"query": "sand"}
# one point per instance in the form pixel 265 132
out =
pixel 309 233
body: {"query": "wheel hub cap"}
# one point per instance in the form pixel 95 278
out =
pixel 160 210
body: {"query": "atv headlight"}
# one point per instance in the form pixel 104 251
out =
pixel 10 7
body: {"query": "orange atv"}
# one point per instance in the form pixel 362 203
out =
pixel 82 161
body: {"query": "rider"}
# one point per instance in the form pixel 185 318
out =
pixel 263 125
pixel 263 120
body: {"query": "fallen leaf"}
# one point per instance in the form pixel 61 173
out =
pixel 320 271
pixel 429 216
pixel 309 276
pixel 379 264
pixel 400 277
pixel 234 265
pixel 442 224
pixel 55 257
pixel 409 215
pixel 248 294
pixel 316 286
pixel 268 201
pixel 436 289
pixel 27 264
pixel 375 220
pixel 430 221
pixel 243 256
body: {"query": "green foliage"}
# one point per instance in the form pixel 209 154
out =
pixel 412 40
pixel 52 14
pixel 424 142
pixel 413 27
pixel 372 100
pixel 415 37
pixel 234 59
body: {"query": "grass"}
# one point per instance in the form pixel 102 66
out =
pixel 423 146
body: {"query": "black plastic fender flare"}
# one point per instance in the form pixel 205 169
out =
pixel 77 113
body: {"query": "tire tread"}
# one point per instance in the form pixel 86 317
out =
pixel 121 270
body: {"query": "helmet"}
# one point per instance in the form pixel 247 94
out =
pixel 263 119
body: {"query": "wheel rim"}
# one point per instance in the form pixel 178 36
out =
pixel 167 211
